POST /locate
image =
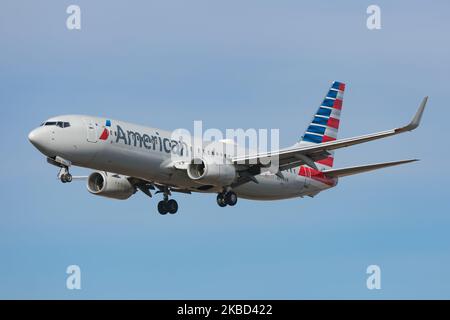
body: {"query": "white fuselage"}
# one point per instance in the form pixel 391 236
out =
pixel 145 153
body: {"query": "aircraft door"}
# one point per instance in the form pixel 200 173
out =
pixel 91 131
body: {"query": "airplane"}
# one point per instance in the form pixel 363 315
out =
pixel 127 158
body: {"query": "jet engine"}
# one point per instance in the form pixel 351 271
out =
pixel 110 185
pixel 207 172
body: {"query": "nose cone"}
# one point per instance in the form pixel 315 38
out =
pixel 38 138
pixel 33 136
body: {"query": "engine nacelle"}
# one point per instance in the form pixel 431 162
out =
pixel 207 172
pixel 110 185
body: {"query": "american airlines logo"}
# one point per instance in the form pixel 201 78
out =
pixel 150 142
pixel 105 133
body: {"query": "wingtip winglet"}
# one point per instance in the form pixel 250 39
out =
pixel 417 117
pixel 420 111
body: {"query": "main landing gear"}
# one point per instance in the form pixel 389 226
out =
pixel 227 198
pixel 167 206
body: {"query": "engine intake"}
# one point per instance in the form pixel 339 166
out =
pixel 208 172
pixel 110 185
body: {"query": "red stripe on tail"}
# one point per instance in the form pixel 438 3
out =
pixel 316 175
pixel 337 104
pixel 327 138
pixel 333 122
pixel 326 162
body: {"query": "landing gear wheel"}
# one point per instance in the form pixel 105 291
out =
pixel 162 208
pixel 221 200
pixel 66 177
pixel 172 206
pixel 231 198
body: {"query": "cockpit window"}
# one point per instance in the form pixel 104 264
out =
pixel 60 124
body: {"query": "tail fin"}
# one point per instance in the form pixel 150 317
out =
pixel 325 123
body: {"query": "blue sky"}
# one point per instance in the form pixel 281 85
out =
pixel 232 64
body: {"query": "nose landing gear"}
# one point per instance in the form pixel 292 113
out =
pixel 227 198
pixel 65 177
pixel 64 174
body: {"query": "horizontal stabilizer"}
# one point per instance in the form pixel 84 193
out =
pixel 336 173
